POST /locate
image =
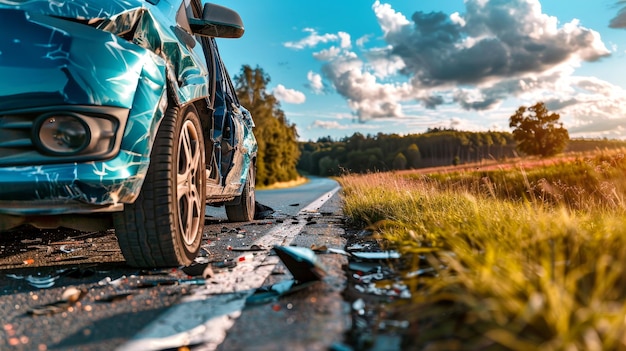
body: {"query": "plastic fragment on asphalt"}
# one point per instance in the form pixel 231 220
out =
pixel 109 281
pixel 319 248
pixel 203 270
pixel 359 306
pixel 364 267
pixel 253 247
pixel 301 262
pixel 72 294
pixel 245 258
pixel 339 251
pixel 68 299
pixel 118 296
pixel 383 255
pixel 65 249
pixel 358 247
pixel 227 263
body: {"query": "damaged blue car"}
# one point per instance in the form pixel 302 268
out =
pixel 121 114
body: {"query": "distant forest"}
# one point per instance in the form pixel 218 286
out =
pixel 436 147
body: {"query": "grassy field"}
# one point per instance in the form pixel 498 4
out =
pixel 527 258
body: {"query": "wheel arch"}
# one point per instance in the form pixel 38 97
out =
pixel 200 103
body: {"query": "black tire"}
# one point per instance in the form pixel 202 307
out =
pixel 163 228
pixel 244 205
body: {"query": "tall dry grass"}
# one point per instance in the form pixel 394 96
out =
pixel 512 273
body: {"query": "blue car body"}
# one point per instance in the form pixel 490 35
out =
pixel 115 67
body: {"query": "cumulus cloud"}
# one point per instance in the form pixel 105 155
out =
pixel 474 59
pixel 492 40
pixel 315 82
pixel 312 40
pixel 382 64
pixel 290 96
pixel 327 54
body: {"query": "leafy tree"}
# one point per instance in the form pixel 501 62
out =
pixel 278 146
pixel 413 156
pixel 399 162
pixel 537 131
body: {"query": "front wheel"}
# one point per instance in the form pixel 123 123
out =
pixel 244 205
pixel 163 228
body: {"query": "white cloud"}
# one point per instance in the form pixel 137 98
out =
pixel 382 63
pixel 389 19
pixel 344 40
pixel 312 40
pixel 315 82
pixel 327 54
pixel 290 96
pixel 362 40
pixel 327 125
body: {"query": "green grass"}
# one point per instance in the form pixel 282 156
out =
pixel 515 269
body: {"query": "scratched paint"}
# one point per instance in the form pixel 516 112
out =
pixel 112 61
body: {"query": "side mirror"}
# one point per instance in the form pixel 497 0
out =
pixel 217 21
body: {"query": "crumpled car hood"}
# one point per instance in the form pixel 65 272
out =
pixel 68 52
pixel 79 9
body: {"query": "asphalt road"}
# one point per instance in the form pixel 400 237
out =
pixel 69 290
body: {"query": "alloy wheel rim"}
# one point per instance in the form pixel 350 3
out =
pixel 188 182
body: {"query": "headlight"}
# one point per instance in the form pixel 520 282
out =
pixel 62 134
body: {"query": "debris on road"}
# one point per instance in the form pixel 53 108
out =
pixel 303 265
pixel 69 298
pixel 253 247
pixel 197 269
pixel 301 262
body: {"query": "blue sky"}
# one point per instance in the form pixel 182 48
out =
pixel 345 66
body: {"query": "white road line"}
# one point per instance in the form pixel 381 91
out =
pixel 204 317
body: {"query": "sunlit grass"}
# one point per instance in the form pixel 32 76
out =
pixel 512 273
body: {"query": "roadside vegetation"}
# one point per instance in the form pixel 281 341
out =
pixel 277 138
pixel 510 259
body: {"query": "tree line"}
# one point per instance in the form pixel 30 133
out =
pixel 383 152
pixel 435 147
